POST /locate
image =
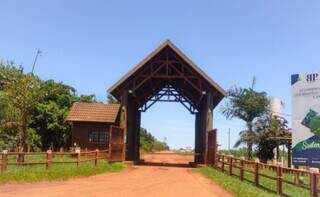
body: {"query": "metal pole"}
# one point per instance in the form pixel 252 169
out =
pixel 229 139
pixel 35 60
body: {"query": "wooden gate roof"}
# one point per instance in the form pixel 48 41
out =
pixel 167 65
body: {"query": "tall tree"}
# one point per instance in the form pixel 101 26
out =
pixel 33 111
pixel 49 116
pixel 247 105
pixel 23 93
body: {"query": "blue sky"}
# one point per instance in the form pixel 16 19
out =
pixel 91 44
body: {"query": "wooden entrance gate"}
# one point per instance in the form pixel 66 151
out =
pixel 166 75
pixel 117 145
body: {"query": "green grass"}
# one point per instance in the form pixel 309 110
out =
pixel 245 188
pixel 288 189
pixel 234 185
pixel 57 171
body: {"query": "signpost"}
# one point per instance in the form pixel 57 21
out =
pixel 306 119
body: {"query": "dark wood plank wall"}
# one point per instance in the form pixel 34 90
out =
pixel 80 134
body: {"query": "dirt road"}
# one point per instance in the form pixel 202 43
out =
pixel 136 181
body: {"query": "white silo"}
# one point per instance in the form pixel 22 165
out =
pixel 276 106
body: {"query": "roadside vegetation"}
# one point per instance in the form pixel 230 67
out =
pixel 148 143
pixel 233 185
pixel 32 118
pixel 246 188
pixel 264 130
pixel 36 173
pixel 33 111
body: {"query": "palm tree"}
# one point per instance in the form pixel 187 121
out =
pixel 246 104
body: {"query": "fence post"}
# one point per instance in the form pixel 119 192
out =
pixel 78 157
pixel 4 160
pixel 313 182
pixel 279 180
pixel 230 164
pixel 256 172
pixel 222 164
pixel 97 156
pixel 49 159
pixel 296 177
pixel 241 167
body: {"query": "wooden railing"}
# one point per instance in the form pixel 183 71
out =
pixel 228 163
pixel 49 158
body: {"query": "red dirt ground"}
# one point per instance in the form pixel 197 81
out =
pixel 135 181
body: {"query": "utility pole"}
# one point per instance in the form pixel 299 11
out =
pixel 35 60
pixel 229 139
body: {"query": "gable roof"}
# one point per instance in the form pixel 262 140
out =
pixel 93 112
pixel 168 43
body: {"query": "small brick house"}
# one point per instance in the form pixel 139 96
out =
pixel 91 124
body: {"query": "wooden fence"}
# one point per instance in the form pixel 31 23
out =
pixel 77 157
pixel 229 164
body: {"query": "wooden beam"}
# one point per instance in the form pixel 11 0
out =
pixel 186 79
pixel 149 77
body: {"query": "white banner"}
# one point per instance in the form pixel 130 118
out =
pixel 306 119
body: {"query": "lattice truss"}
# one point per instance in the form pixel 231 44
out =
pixel 169 94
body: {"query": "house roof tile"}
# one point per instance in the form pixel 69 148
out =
pixel 93 112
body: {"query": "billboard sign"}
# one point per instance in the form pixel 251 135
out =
pixel 306 119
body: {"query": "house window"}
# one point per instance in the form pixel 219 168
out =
pixel 99 137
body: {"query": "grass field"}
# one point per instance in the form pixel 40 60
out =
pixel 57 171
pixel 245 188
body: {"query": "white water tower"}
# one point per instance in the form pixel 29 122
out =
pixel 276 106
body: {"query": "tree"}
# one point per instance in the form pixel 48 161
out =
pixel 112 100
pixel 9 132
pixel 8 70
pixel 247 105
pixel 32 111
pixel 87 98
pixel 272 131
pixel 149 143
pixel 23 93
pixel 49 117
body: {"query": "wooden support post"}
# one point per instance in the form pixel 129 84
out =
pixel 241 168
pixel 21 157
pixel 96 158
pixel 138 124
pixel 197 138
pixel 230 164
pixel 313 182
pixel 256 174
pixel 86 152
pixel 279 180
pixel 78 157
pixel 296 178
pixel 62 151
pixel 215 150
pixel 4 160
pixel 49 159
pixel 222 163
